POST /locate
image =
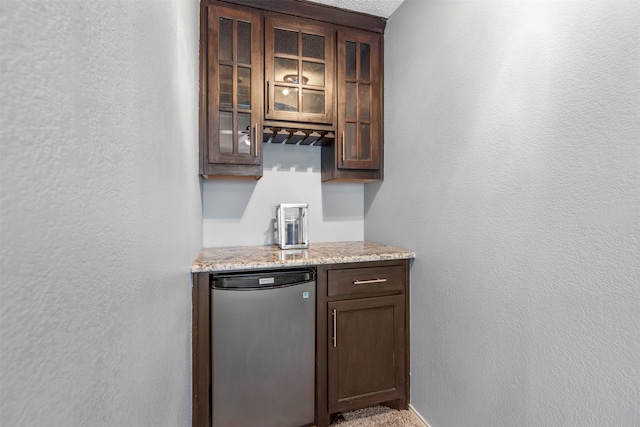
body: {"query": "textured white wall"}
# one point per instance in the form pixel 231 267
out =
pixel 242 212
pixel 513 171
pixel 100 211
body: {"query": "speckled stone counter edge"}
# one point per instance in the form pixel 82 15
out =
pixel 257 257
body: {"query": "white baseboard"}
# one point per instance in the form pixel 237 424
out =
pixel 418 416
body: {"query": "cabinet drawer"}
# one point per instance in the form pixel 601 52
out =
pixel 354 281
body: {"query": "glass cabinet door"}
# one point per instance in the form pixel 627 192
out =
pixel 359 105
pixel 235 83
pixel 298 70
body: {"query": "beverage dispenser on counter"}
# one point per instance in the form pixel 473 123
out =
pixel 292 226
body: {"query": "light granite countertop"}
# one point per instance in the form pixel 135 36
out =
pixel 252 257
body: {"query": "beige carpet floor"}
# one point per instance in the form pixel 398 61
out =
pixel 378 416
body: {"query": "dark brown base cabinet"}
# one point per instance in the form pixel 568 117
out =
pixel 362 339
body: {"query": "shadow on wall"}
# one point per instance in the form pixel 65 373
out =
pixel 226 199
pixel 238 212
pixel 370 191
pixel 229 198
pixel 342 201
pixel 291 158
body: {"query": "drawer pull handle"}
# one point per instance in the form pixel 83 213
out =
pixel 368 282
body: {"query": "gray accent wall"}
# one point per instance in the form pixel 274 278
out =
pixel 512 169
pixel 101 212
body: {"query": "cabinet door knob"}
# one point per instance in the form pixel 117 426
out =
pixel 368 282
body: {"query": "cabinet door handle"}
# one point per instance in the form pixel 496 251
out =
pixel 368 282
pixel 335 328
pixel 255 140
pixel 343 146
pixel 268 98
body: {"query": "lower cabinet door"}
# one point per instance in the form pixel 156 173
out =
pixel 366 358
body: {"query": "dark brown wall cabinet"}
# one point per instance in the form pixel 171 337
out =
pixel 362 337
pixel 357 153
pixel 231 98
pixel 299 67
pixel 267 69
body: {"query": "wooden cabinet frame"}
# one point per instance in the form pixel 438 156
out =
pixel 374 83
pixel 371 348
pixel 397 399
pixel 273 22
pixel 380 296
pixel 318 12
pixel 336 166
pixel 201 350
pixel 266 124
pixel 213 162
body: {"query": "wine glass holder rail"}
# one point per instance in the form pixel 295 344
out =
pixel 279 135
